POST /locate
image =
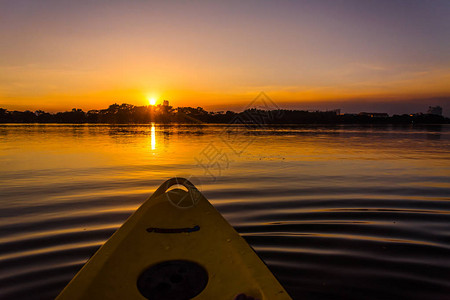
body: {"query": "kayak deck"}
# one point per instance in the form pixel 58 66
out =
pixel 175 246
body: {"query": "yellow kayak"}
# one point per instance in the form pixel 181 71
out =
pixel 176 246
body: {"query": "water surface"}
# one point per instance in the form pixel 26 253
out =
pixel 345 212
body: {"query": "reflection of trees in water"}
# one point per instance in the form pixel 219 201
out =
pixel 434 131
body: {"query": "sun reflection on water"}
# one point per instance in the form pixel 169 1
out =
pixel 153 137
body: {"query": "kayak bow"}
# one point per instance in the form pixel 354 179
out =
pixel 176 246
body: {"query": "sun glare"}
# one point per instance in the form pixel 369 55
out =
pixel 152 101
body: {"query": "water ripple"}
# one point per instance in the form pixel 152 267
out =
pixel 335 212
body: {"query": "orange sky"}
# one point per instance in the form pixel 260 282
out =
pixel 88 55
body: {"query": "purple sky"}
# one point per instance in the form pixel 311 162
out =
pixel 355 55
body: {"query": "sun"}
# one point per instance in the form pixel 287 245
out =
pixel 152 101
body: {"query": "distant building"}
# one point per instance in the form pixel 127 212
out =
pixel 434 110
pixel 166 103
pixel 336 111
pixel 374 115
pixel 333 111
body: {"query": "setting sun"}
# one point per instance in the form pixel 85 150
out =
pixel 152 101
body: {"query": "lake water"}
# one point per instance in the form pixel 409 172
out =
pixel 351 212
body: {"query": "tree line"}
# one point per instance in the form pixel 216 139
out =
pixel 130 114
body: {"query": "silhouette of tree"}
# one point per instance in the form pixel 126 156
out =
pixel 165 114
